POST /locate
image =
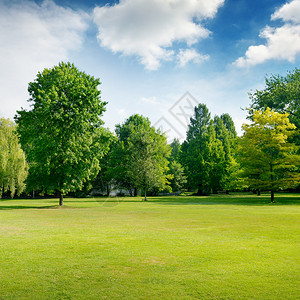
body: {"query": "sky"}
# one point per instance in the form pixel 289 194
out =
pixel 157 58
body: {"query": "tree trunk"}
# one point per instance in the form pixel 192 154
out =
pixel 135 192
pixel 61 199
pixel 145 196
pixel 272 197
pixel 200 191
pixel 272 191
pixel 258 192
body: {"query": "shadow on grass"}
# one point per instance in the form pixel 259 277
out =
pixel 247 200
pixel 10 207
pixel 232 199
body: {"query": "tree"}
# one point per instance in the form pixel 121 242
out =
pixel 62 133
pixel 13 166
pixel 192 149
pixel 177 178
pixel 281 94
pixel 270 161
pixel 214 160
pixel 175 150
pixel 143 155
pixel 176 171
pixel 202 153
pixel 226 133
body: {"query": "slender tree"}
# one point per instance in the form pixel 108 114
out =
pixel 13 166
pixel 62 133
pixel 226 133
pixel 178 178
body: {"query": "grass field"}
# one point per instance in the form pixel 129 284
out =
pixel 217 247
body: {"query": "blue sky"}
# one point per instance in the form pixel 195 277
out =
pixel 150 53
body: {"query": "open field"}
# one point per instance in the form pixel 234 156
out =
pixel 216 247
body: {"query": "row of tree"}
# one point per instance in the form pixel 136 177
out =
pixel 67 148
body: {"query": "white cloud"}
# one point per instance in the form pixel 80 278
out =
pixel 33 37
pixel 188 55
pixel 288 12
pixel 148 28
pixel 282 43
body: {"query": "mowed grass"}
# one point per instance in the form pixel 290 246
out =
pixel 217 247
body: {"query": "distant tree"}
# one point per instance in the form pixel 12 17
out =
pixel 270 162
pixel 214 160
pixel 144 154
pixel 281 94
pixel 226 133
pixel 229 124
pixel 62 133
pixel 175 150
pixel 13 166
pixel 192 149
pixel 177 178
pixel 203 153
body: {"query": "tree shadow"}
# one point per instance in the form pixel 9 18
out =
pixel 246 200
pixel 15 207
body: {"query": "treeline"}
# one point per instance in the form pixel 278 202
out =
pixel 68 150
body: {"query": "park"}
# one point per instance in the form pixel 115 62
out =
pixel 231 231
pixel 150 150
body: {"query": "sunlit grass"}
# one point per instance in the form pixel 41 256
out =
pixel 217 247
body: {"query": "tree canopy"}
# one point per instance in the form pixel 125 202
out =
pixel 13 166
pixel 206 153
pixel 281 94
pixel 270 161
pixel 62 133
pixel 143 153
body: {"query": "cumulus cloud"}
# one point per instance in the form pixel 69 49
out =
pixel 187 55
pixel 33 37
pixel 288 12
pixel 148 28
pixel 282 43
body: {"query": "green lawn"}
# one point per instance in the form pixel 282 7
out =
pixel 217 247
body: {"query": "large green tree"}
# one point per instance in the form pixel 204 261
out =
pixel 269 160
pixel 13 166
pixel 203 155
pixel 143 155
pixel 281 94
pixel 62 133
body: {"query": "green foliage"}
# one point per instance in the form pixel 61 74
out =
pixel 226 133
pixel 62 134
pixel 281 94
pixel 142 155
pixel 270 161
pixel 207 154
pixel 175 150
pixel 177 179
pixel 13 166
